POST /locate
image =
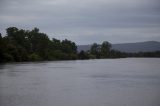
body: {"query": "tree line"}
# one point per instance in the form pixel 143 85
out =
pixel 32 45
pixel 25 45
pixel 101 51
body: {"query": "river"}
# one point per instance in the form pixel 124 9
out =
pixel 103 82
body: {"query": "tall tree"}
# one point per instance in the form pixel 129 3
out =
pixel 69 46
pixel 105 49
pixel 95 50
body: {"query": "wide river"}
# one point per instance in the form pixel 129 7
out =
pixel 103 82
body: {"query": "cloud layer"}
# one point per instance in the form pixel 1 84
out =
pixel 86 21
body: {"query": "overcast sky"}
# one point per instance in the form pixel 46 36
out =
pixel 85 21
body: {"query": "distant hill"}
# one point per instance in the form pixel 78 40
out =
pixel 148 46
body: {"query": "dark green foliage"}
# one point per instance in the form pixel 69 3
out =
pixel 104 51
pixel 117 54
pixel 0 36
pixel 83 55
pixel 101 51
pixel 69 47
pixel 95 50
pixel 24 45
pixel 34 57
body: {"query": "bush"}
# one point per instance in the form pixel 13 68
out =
pixel 7 57
pixel 34 57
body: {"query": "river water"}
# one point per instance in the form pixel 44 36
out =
pixel 103 82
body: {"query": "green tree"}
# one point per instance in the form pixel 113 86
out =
pixel 83 55
pixel 69 47
pixel 39 43
pixel 105 49
pixel 56 44
pixel 11 31
pixel 95 50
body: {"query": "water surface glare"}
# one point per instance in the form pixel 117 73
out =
pixel 104 82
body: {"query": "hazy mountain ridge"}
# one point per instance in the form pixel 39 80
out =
pixel 148 46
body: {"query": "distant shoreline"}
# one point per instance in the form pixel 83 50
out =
pixel 21 45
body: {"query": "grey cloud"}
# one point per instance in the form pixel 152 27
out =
pixel 86 21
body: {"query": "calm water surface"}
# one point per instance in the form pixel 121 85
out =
pixel 106 82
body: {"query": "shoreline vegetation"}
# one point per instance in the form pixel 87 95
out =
pixel 21 45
